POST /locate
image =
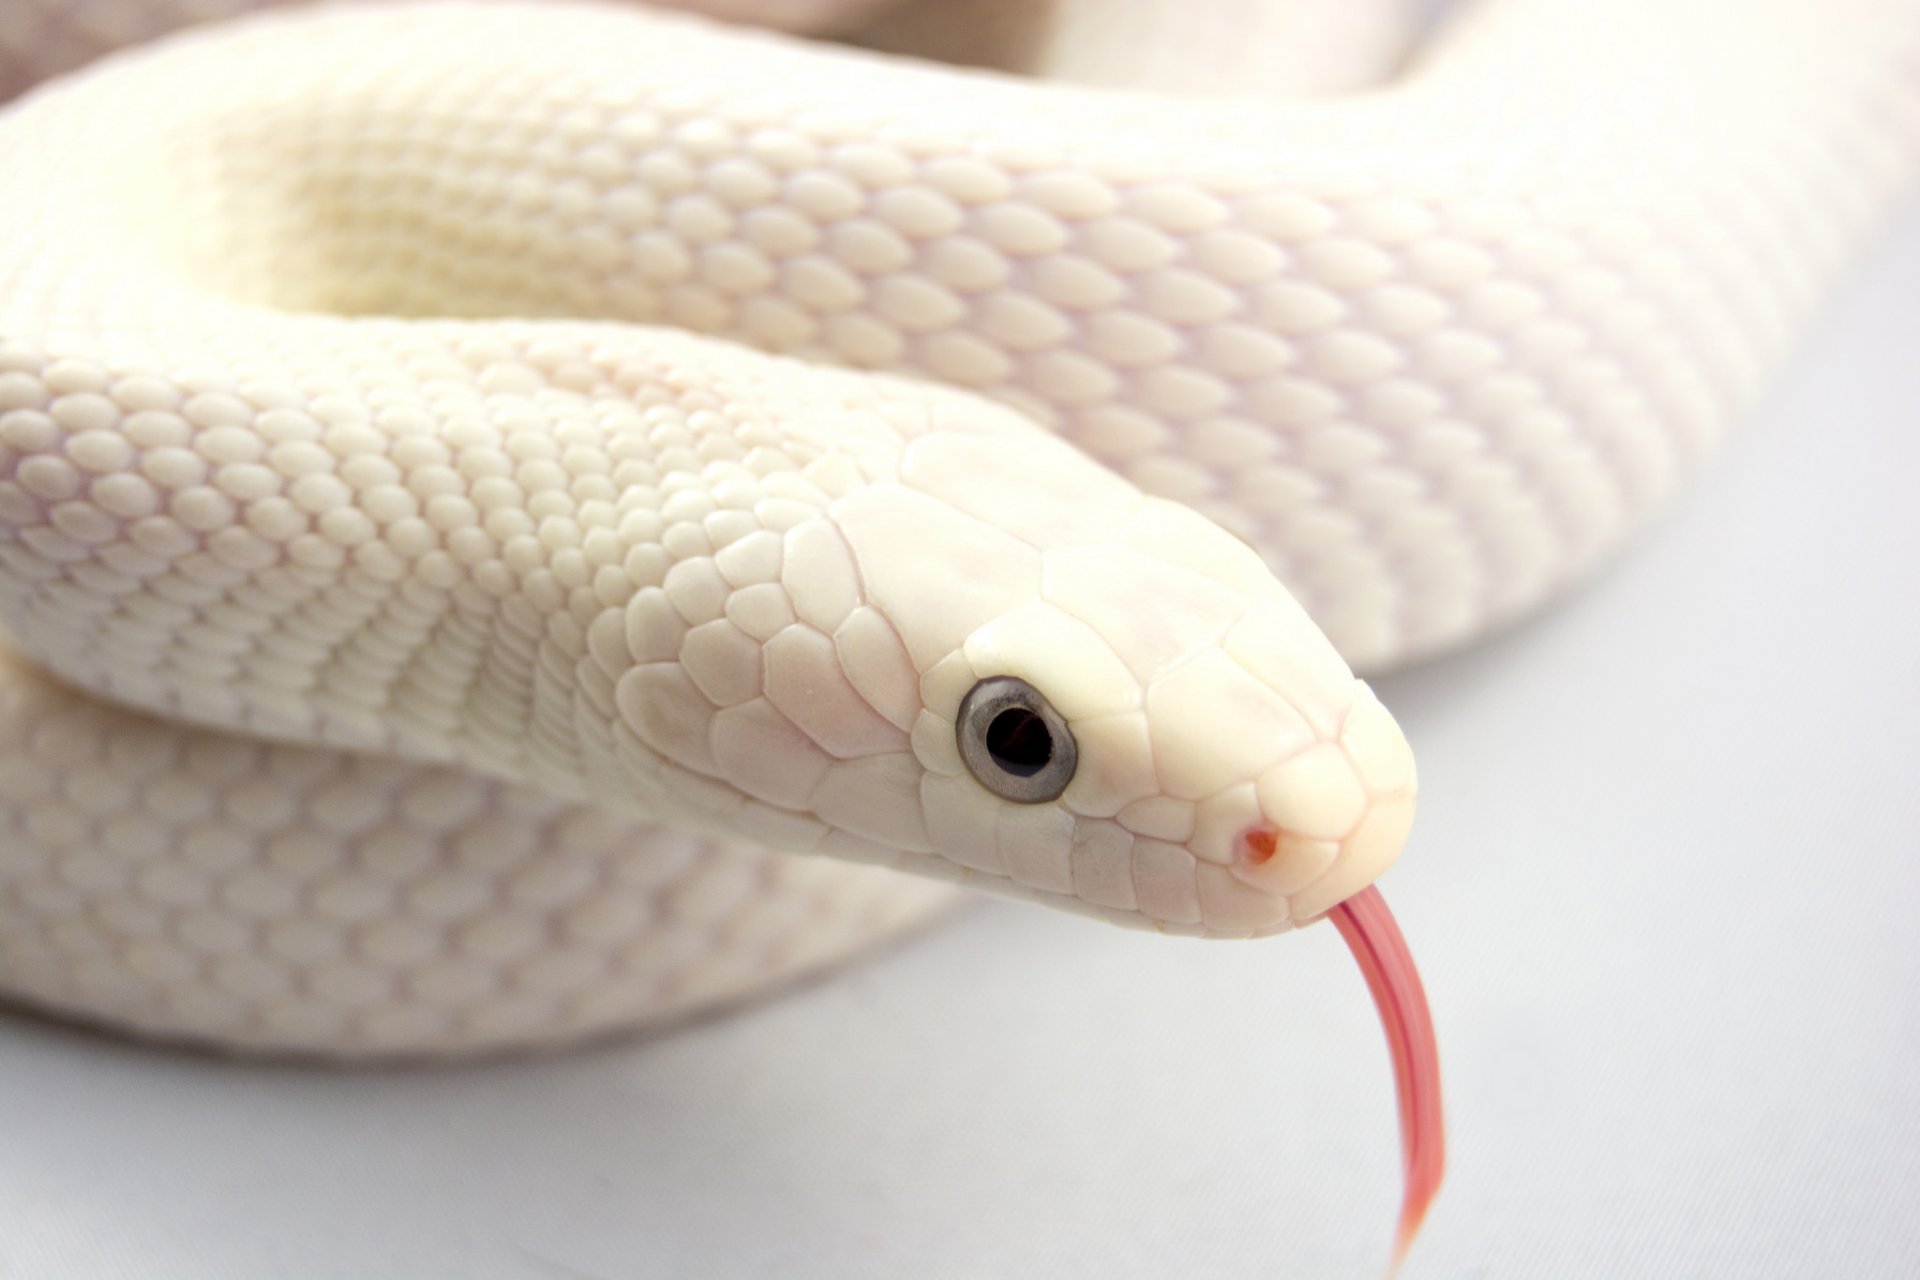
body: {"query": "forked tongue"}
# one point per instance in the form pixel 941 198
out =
pixel 1374 939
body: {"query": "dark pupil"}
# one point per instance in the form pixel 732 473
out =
pixel 1019 742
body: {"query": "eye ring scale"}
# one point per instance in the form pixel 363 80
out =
pixel 1013 741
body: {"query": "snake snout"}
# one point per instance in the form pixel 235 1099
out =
pixel 1333 817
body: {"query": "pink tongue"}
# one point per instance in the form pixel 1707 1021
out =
pixel 1374 939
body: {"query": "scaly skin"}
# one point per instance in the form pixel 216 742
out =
pixel 267 469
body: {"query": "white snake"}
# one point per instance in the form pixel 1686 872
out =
pixel 396 520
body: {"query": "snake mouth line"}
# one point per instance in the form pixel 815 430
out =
pixel 1376 942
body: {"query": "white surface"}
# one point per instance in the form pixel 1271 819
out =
pixel 1673 958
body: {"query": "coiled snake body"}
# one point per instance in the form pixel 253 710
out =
pixel 459 514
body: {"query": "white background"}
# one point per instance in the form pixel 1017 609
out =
pixel 1665 890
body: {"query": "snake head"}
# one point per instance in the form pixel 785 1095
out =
pixel 1123 711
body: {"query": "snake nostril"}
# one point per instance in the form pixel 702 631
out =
pixel 1256 845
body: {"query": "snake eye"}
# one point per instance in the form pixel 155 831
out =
pixel 1015 744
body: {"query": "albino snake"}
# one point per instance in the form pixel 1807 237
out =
pixel 403 521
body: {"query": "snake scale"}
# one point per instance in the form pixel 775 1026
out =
pixel 483 485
